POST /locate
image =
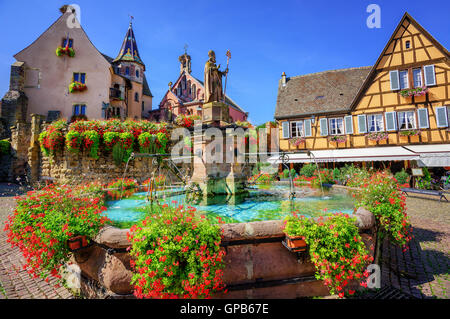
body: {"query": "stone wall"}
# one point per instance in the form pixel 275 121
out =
pixel 257 265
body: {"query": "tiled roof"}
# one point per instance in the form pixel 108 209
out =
pixel 146 88
pixel 322 92
pixel 129 50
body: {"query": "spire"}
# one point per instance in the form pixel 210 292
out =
pixel 129 51
pixel 185 61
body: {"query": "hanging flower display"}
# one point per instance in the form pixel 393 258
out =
pixel 73 141
pixel 337 138
pixel 91 142
pixel 296 141
pixel 65 50
pixel 52 139
pixel 377 136
pixel 186 120
pixel 419 91
pixel 126 143
pixel 412 132
pixel 147 143
pixel 77 87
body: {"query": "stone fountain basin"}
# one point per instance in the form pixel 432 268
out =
pixel 257 264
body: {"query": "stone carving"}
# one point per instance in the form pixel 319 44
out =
pixel 213 80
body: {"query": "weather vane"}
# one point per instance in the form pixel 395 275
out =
pixel 131 18
pixel 185 48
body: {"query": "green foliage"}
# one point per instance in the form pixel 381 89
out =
pixel 335 247
pixel 162 142
pixel 308 170
pixel 91 143
pixel 5 147
pixel 401 177
pixel 176 254
pixel 147 143
pixel 73 141
pixel 424 182
pixel 126 144
pixel 44 220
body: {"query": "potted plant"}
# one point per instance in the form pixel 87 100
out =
pixel 419 91
pixel 337 138
pixel 296 141
pixel 377 136
pixel 411 132
pixel 296 243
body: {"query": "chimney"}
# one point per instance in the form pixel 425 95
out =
pixel 283 79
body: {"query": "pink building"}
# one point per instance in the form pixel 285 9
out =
pixel 186 96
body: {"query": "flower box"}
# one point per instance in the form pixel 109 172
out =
pixel 77 242
pixel 377 136
pixel 296 141
pixel 65 50
pixel 337 138
pixel 413 132
pixel 296 243
pixel 414 92
pixel 77 87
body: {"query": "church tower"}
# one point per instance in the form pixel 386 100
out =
pixel 185 62
pixel 128 63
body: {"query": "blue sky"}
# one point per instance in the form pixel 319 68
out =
pixel 265 37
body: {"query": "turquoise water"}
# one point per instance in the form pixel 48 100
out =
pixel 258 204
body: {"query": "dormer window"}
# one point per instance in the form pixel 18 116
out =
pixel 64 43
pixel 407 44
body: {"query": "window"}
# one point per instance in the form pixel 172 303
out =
pixel 143 106
pixel 297 129
pixel 127 70
pixel 407 120
pixel 79 77
pixel 336 126
pixel 194 92
pixel 79 109
pixel 137 73
pixel 375 122
pixel 136 97
pixel 403 79
pixel 417 77
pixel 408 44
pixel 64 43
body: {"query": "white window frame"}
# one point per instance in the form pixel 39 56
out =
pixel 369 122
pixel 400 79
pixel 298 133
pixel 421 77
pixel 332 130
pixel 414 120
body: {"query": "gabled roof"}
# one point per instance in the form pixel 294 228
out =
pixel 411 20
pixel 322 92
pixel 129 51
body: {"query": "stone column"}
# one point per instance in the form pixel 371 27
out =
pixel 34 154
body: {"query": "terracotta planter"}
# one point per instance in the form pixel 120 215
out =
pixel 296 243
pixel 77 242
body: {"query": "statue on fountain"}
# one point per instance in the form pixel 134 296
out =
pixel 215 111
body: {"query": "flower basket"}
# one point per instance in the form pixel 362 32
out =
pixel 77 87
pixel 337 138
pixel 296 141
pixel 377 136
pixel 412 132
pixel 414 92
pixel 65 51
pixel 296 243
pixel 77 242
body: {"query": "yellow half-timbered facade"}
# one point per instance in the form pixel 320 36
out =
pixel 401 101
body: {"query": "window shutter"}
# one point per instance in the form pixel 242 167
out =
pixel 422 115
pixel 391 122
pixel 324 127
pixel 441 117
pixel 395 80
pixel 285 127
pixel 308 128
pixel 430 77
pixel 362 124
pixel 348 124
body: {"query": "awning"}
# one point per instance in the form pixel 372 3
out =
pixel 432 155
pixel 369 154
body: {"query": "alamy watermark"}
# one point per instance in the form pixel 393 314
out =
pixel 374 19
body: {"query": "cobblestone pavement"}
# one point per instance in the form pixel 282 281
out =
pixel 422 270
pixel 15 282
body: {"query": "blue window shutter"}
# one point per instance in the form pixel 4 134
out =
pixel 441 117
pixel 391 121
pixel 83 109
pixel 324 127
pixel 76 110
pixel 76 77
pixel 308 131
pixel 430 76
pixel 395 80
pixel 285 128
pixel 348 124
pixel 83 77
pixel 422 116
pixel 362 124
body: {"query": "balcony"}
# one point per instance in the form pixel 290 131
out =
pixel 115 94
